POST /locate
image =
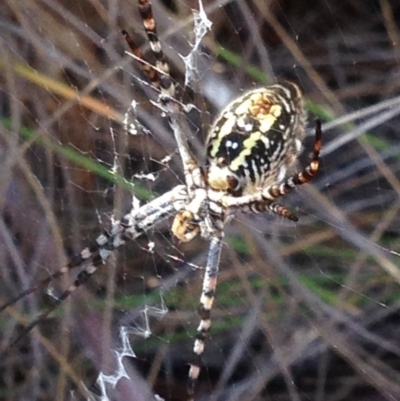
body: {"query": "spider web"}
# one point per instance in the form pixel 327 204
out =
pixel 303 312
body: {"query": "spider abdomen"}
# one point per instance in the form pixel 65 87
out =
pixel 255 139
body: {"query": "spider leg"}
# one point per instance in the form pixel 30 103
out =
pixel 132 225
pixel 276 208
pixel 75 261
pixel 148 69
pixel 159 75
pixel 161 79
pixel 171 106
pixel 82 277
pixel 166 84
pixel 204 310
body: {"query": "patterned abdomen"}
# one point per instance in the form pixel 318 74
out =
pixel 255 139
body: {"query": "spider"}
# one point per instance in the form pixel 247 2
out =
pixel 250 148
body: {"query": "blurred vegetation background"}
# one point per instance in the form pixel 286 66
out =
pixel 306 311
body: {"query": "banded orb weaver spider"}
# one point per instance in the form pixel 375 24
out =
pixel 250 148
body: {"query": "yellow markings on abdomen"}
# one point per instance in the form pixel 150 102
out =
pixel 266 123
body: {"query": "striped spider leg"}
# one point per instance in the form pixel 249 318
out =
pixel 136 222
pixel 160 78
